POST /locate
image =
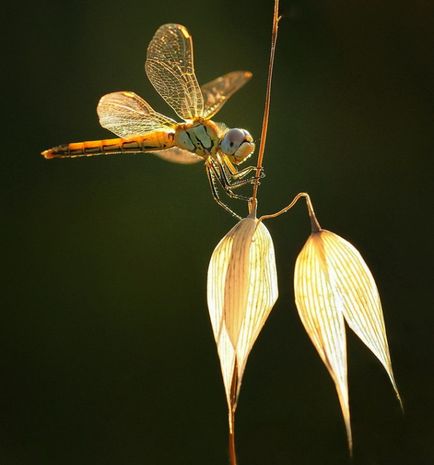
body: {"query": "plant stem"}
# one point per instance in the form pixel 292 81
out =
pixel 232 453
pixel 315 226
pixel 232 407
pixel 276 18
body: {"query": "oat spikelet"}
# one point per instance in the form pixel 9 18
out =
pixel 333 283
pixel 242 289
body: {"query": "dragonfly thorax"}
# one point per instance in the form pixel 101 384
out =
pixel 205 138
pixel 202 137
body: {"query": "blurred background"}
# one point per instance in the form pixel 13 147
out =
pixel 107 355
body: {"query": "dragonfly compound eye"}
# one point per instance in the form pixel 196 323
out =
pixel 238 143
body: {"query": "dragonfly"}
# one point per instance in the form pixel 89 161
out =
pixel 140 129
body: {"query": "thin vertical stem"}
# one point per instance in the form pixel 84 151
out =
pixel 252 211
pixel 232 407
pixel 267 97
pixel 232 452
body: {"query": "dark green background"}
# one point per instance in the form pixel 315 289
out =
pixel 107 355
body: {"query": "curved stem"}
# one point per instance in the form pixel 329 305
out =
pixel 313 220
pixel 276 19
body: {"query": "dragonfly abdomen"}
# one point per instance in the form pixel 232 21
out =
pixel 155 140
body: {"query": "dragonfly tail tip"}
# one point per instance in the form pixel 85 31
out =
pixel 47 154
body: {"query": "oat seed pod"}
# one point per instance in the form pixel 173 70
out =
pixel 242 289
pixel 332 283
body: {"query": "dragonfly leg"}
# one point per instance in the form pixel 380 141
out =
pixel 234 175
pixel 240 175
pixel 230 181
pixel 234 178
pixel 237 180
pixel 218 170
pixel 214 190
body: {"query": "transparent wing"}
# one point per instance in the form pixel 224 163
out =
pixel 126 114
pixel 218 91
pixel 177 155
pixel 169 66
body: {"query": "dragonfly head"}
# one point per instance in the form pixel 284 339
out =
pixel 237 144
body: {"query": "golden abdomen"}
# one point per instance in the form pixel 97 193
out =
pixel 155 140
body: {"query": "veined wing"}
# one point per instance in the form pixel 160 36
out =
pixel 169 66
pixel 218 91
pixel 126 114
pixel 177 155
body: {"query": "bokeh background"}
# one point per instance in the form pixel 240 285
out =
pixel 107 355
